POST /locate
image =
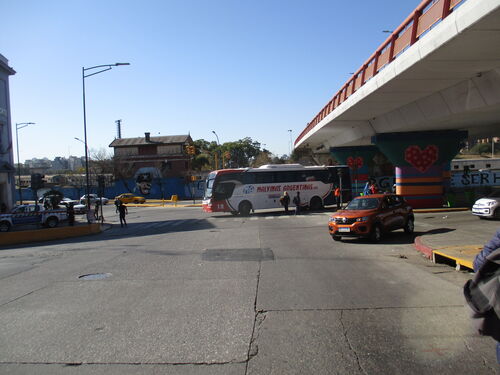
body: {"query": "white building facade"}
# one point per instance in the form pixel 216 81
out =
pixel 7 170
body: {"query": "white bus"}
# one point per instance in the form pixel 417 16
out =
pixel 247 189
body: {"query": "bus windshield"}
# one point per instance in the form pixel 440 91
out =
pixel 209 185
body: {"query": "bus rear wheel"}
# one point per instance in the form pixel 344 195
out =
pixel 245 208
pixel 316 204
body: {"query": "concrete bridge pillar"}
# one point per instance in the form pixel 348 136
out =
pixel 420 159
pixel 361 161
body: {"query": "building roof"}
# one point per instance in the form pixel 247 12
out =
pixel 4 65
pixel 141 141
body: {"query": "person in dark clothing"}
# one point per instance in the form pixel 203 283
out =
pixel 285 201
pixel 122 209
pixel 70 211
pixel 96 211
pixel 479 260
pixel 296 202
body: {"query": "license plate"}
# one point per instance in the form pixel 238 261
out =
pixel 344 229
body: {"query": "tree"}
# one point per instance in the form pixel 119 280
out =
pixel 262 158
pixel 101 161
pixel 241 152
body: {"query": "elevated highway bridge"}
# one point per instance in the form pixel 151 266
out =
pixel 432 83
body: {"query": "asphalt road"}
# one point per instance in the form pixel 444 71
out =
pixel 179 291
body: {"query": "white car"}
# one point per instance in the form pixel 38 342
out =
pixel 93 199
pixel 31 214
pixel 66 201
pixel 488 207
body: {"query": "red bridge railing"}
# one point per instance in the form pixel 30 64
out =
pixel 423 18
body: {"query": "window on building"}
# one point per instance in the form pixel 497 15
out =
pixel 147 150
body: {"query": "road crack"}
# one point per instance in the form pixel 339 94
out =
pixel 351 348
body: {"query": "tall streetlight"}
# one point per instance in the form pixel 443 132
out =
pixel 20 125
pixel 218 143
pixel 104 68
pixel 290 131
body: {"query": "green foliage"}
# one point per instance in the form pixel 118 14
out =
pixel 481 148
pixel 243 152
pixel 201 162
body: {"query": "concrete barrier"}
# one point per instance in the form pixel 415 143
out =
pixel 48 234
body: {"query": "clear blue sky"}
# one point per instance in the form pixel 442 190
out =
pixel 242 68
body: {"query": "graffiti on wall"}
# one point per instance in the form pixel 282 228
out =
pixel 475 179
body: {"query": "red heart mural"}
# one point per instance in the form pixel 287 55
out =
pixel 422 160
pixel 354 162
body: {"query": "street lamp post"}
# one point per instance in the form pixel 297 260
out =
pixel 218 143
pixel 290 131
pixel 104 68
pixel 20 125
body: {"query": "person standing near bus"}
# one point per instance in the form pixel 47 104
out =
pixel 122 210
pixel 336 193
pixel 296 201
pixel 285 201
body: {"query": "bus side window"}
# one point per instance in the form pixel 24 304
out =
pixel 264 177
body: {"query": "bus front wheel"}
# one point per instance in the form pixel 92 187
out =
pixel 245 208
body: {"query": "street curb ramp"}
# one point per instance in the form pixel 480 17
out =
pixel 48 234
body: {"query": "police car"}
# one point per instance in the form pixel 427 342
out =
pixel 26 214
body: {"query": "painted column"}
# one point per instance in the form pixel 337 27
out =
pixel 360 160
pixel 420 159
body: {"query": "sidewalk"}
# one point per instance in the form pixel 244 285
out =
pixel 455 243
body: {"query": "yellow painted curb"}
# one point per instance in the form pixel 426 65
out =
pixel 462 255
pixel 48 234
pixel 161 205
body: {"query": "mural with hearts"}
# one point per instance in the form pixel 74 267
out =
pixel 354 163
pixel 420 159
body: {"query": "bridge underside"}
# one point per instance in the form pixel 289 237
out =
pixel 450 79
pixel 418 109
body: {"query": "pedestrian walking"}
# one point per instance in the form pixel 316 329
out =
pixel 122 210
pixel 336 193
pixel 285 201
pixel 296 202
pixel 96 211
pixel 70 211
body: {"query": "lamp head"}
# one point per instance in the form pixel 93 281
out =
pixel 118 64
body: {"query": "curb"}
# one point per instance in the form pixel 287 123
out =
pixel 447 209
pixel 49 234
pixel 424 249
pixel 165 206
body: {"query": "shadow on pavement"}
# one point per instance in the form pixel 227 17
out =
pixel 398 237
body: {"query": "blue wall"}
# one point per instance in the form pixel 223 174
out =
pixel 160 188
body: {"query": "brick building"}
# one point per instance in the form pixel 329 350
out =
pixel 161 157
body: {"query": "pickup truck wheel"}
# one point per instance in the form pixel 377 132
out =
pixel 409 226
pixel 52 222
pixel 4 226
pixel 376 234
